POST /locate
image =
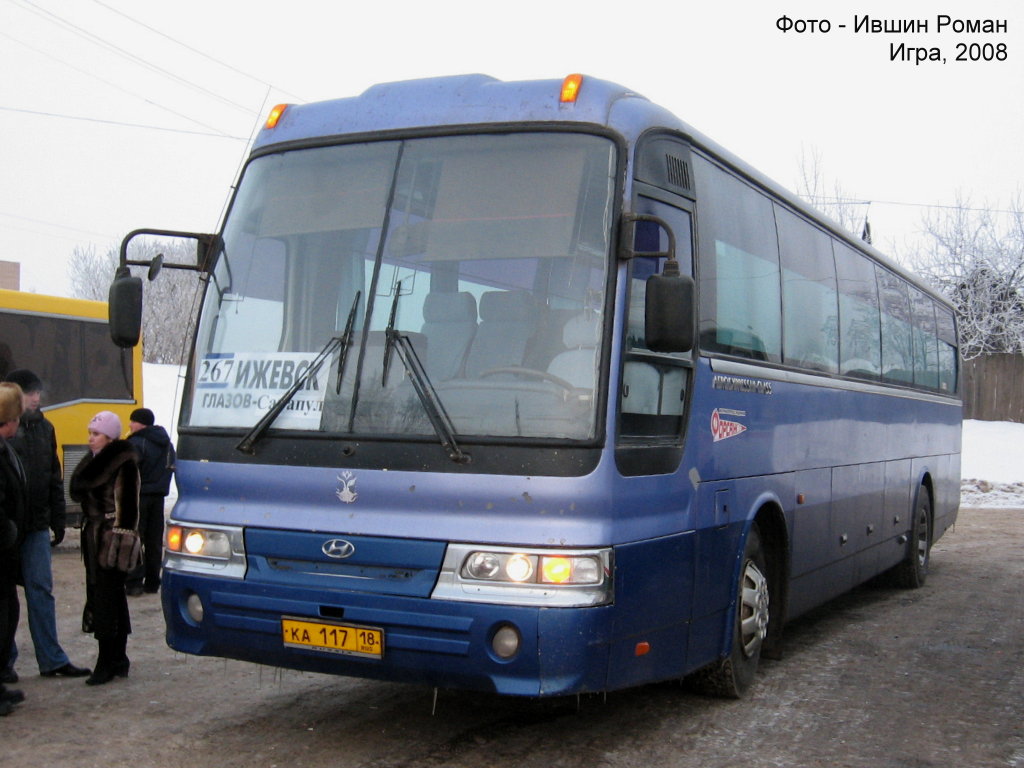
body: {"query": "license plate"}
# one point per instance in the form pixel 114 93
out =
pixel 333 638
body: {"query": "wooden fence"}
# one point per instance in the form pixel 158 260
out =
pixel 993 388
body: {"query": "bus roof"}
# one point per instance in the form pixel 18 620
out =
pixel 52 305
pixel 440 101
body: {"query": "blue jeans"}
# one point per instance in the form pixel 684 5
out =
pixel 42 614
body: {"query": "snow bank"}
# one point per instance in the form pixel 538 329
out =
pixel 992 464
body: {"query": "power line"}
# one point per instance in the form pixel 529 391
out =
pixel 146 99
pixel 123 124
pixel 97 40
pixel 53 224
pixel 826 200
pixel 196 51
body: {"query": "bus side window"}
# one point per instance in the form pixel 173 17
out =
pixel 859 333
pixel 947 350
pixel 897 329
pixel 810 300
pixel 740 296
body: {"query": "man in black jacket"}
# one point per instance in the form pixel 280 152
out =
pixel 36 446
pixel 156 466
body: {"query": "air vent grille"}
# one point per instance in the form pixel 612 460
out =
pixel 678 171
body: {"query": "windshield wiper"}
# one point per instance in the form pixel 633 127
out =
pixel 421 384
pixel 346 341
pixel 340 343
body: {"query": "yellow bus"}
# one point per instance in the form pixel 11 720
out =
pixel 67 344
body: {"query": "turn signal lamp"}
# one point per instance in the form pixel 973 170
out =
pixel 275 115
pixel 174 536
pixel 571 89
pixel 556 570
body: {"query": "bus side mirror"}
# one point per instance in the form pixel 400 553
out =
pixel 124 308
pixel 668 313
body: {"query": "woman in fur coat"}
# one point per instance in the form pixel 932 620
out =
pixel 106 484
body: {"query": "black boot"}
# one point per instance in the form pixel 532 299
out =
pixel 121 660
pixel 106 664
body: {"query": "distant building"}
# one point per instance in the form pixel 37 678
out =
pixel 10 275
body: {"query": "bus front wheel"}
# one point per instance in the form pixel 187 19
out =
pixel 732 676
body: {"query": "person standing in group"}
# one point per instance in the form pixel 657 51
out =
pixel 13 508
pixel 106 483
pixel 156 466
pixel 36 445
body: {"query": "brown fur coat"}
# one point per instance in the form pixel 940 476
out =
pixel 107 487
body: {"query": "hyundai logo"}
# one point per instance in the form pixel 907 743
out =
pixel 339 549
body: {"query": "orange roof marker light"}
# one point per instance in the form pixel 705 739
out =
pixel 275 115
pixel 571 89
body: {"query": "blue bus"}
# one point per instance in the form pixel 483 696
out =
pixel 529 387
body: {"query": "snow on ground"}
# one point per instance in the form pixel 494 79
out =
pixel 992 463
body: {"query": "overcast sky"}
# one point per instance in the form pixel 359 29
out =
pixel 119 115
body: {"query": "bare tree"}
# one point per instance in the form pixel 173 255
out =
pixel 829 197
pixel 169 301
pixel 975 256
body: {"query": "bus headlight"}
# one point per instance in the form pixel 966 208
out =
pixel 204 549
pixel 199 542
pixel 525 577
pixel 522 568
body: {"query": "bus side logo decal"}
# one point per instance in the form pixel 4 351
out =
pixel 722 429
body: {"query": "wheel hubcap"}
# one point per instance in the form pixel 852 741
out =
pixel 922 536
pixel 753 609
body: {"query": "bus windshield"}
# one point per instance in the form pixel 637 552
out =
pixel 474 268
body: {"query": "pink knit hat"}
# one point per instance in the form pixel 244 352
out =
pixel 106 423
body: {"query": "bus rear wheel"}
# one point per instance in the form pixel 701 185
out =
pixel 733 676
pixel 913 571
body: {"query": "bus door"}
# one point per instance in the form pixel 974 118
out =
pixel 653 396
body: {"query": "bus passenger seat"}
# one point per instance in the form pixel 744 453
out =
pixel 507 323
pixel 449 323
pixel 578 363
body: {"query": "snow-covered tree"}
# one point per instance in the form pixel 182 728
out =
pixel 975 256
pixel 169 301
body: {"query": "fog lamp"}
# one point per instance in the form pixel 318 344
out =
pixel 505 642
pixel 194 606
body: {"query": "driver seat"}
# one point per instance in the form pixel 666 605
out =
pixel 507 323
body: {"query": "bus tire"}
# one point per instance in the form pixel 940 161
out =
pixel 913 571
pixel 732 677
